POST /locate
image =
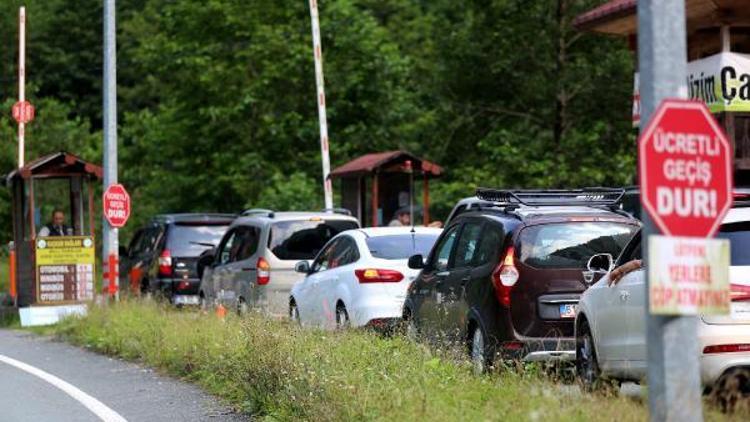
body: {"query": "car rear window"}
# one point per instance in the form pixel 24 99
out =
pixel 739 240
pixel 190 239
pixel 570 245
pixel 302 239
pixel 401 246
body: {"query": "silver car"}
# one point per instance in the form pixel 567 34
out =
pixel 253 265
pixel 611 323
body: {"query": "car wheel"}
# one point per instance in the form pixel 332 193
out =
pixel 732 390
pixel 478 351
pixel 587 366
pixel 294 312
pixel 342 317
pixel 242 307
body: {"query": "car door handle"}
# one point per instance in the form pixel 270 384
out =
pixel 247 268
pixel 624 295
pixel 465 280
pixel 443 273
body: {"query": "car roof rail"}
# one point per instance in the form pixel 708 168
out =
pixel 256 211
pixel 587 197
pixel 342 211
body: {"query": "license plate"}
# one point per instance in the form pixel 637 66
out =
pixel 568 310
pixel 186 300
pixel 740 311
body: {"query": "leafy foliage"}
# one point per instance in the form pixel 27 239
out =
pixel 217 98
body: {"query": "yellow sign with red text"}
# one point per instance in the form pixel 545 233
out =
pixel 688 276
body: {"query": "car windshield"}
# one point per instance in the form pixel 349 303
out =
pixel 302 239
pixel 570 245
pixel 401 246
pixel 191 239
pixel 739 240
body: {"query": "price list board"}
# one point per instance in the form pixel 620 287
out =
pixel 65 269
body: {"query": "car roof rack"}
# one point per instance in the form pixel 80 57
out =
pixel 342 211
pixel 256 211
pixel 587 197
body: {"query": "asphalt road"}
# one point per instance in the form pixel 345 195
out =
pixel 44 380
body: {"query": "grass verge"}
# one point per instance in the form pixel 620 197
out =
pixel 273 369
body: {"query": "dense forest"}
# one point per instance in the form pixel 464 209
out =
pixel 217 97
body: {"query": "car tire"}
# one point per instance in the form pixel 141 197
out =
pixel 732 390
pixel 294 312
pixel 342 317
pixel 242 307
pixel 478 350
pixel 587 364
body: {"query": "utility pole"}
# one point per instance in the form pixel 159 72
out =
pixel 673 355
pixel 21 82
pixel 321 100
pixel 110 243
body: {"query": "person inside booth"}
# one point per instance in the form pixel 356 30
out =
pixel 57 226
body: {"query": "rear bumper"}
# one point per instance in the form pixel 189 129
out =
pixel 561 349
pixel 178 286
pixel 376 312
pixel 715 364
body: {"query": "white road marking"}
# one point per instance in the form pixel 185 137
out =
pixel 95 406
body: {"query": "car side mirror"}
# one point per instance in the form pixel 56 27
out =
pixel 302 267
pixel 416 262
pixel 600 263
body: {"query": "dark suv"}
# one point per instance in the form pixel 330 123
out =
pixel 505 278
pixel 162 256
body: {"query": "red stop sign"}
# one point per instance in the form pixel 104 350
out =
pixel 23 112
pixel 685 169
pixel 116 203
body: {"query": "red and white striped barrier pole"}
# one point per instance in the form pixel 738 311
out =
pixel 321 99
pixel 21 82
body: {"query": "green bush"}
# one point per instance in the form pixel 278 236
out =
pixel 273 369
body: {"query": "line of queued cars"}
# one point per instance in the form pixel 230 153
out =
pixel 514 275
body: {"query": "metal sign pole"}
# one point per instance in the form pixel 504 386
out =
pixel 110 241
pixel 673 355
pixel 321 99
pixel 21 82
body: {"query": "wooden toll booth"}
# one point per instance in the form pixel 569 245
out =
pixel 386 176
pixel 64 182
pixel 718 33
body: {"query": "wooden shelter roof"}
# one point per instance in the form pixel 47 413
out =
pixel 56 164
pixel 618 17
pixel 369 163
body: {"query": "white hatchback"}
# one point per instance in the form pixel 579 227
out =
pixel 360 278
pixel 611 323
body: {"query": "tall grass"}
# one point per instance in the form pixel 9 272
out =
pixel 277 370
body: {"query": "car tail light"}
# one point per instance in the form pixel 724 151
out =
pixel 740 293
pixel 726 348
pixel 264 271
pixel 182 285
pixel 165 263
pixel 512 345
pixel 373 275
pixel 505 277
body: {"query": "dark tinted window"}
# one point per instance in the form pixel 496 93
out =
pixel 294 240
pixel 147 242
pixel 442 254
pixel 187 240
pixel 401 246
pixel 570 245
pixel 229 248
pixel 468 243
pixel 248 238
pixel 739 239
pixel 489 247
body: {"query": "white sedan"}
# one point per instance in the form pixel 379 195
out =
pixel 360 277
pixel 611 324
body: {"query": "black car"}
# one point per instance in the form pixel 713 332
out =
pixel 162 256
pixel 504 278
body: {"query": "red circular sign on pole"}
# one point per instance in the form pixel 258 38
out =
pixel 23 112
pixel 116 203
pixel 685 169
